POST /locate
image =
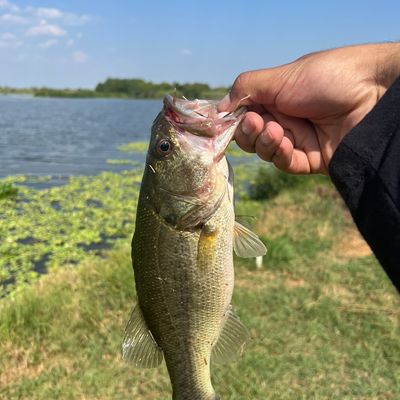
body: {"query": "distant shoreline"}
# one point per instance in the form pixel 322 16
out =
pixel 125 89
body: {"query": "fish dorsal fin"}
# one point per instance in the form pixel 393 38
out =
pixel 246 243
pixel 230 343
pixel 139 347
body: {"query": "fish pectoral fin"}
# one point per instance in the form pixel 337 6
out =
pixel 231 341
pixel 246 243
pixel 139 347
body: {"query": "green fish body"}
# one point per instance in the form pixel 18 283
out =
pixel 182 250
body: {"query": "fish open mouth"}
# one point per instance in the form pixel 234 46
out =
pixel 200 117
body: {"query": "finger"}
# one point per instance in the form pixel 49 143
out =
pixel 269 140
pixel 305 140
pixel 253 87
pixel 289 159
pixel 250 128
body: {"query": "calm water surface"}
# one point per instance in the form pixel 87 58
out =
pixel 64 137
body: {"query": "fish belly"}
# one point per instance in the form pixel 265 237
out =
pixel 184 282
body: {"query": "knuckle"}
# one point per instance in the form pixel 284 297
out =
pixel 241 83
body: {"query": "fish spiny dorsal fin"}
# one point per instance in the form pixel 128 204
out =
pixel 246 243
pixel 139 347
pixel 230 343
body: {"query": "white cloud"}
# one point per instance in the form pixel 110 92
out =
pixel 9 40
pixel 8 36
pixel 42 26
pixel 76 20
pixel 186 52
pixel 66 18
pixel 10 45
pixel 32 15
pixel 79 56
pixel 9 6
pixel 48 43
pixel 48 12
pixel 45 29
pixel 13 19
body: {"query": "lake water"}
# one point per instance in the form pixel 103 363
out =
pixel 64 137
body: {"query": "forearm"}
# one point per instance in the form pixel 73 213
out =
pixel 387 64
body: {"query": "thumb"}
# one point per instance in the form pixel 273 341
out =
pixel 253 87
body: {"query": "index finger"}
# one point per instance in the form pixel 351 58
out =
pixel 253 87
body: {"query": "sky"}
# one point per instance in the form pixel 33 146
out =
pixel 79 43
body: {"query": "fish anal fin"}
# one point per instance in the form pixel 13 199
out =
pixel 229 345
pixel 246 243
pixel 139 347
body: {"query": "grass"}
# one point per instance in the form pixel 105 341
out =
pixel 323 317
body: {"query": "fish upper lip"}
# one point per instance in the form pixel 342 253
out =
pixel 185 114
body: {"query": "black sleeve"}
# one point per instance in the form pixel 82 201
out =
pixel 365 169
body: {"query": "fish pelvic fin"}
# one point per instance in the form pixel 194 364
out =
pixel 230 343
pixel 246 243
pixel 139 347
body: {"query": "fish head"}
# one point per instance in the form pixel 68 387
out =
pixel 185 159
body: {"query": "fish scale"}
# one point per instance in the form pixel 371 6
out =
pixel 182 302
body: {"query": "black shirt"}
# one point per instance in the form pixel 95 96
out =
pixel 365 169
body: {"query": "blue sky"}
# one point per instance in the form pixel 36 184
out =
pixel 78 43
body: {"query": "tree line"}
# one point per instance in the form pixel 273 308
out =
pixel 130 88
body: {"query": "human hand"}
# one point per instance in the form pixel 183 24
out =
pixel 299 112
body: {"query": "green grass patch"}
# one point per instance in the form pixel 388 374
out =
pixel 323 317
pixel 61 336
pixel 269 182
pixel 234 150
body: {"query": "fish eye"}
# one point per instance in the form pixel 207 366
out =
pixel 164 147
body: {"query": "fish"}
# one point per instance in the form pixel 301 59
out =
pixel 182 249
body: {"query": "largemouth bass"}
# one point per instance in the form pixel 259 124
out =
pixel 182 249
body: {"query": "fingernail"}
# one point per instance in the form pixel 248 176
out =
pixel 264 137
pixel 246 127
pixel 224 104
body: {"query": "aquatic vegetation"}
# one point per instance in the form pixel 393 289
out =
pixel 123 162
pixel 42 229
pixel 45 229
pixel 134 147
pixel 7 190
